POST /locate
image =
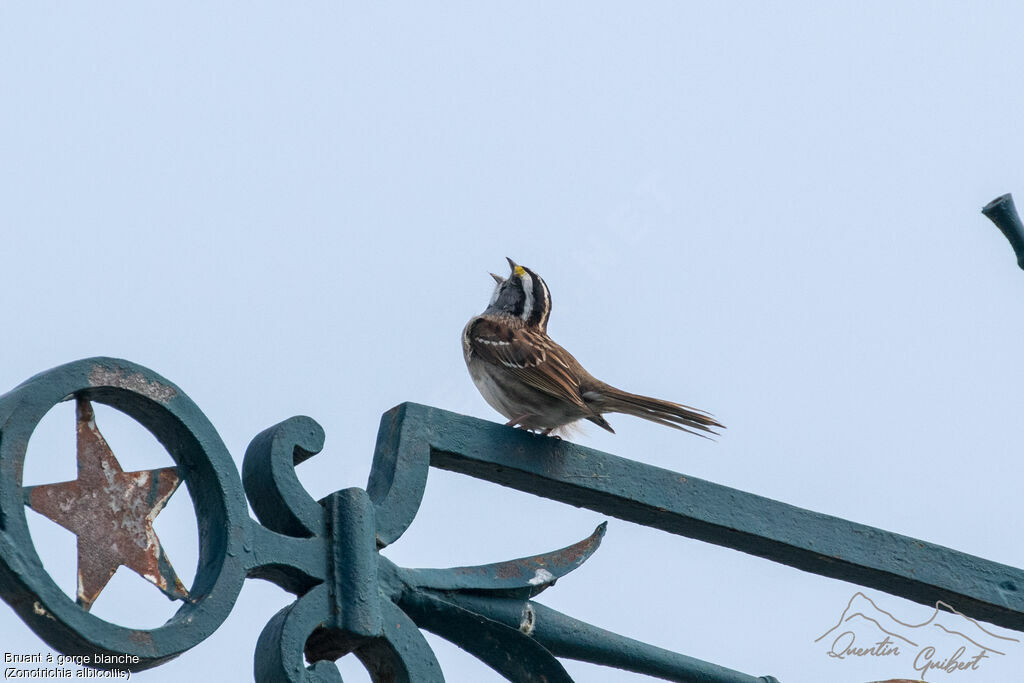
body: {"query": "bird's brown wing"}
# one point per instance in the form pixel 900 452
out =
pixel 530 355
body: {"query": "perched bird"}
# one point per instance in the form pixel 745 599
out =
pixel 535 383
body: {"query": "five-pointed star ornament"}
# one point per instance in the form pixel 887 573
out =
pixel 112 513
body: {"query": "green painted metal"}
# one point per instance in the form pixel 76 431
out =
pixel 684 505
pixel 350 599
pixel 203 463
pixel 1003 213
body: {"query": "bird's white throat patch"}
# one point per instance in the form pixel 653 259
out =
pixel 528 291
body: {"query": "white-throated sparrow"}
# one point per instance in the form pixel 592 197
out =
pixel 535 383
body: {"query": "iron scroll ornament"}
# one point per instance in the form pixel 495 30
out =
pixel 350 598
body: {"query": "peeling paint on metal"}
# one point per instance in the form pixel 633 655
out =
pixel 42 611
pixel 112 512
pixel 527 620
pixel 103 376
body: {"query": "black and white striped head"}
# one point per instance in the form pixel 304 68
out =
pixel 522 295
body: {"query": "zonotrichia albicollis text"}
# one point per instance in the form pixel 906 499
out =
pixel 538 385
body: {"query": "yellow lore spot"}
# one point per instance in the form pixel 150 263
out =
pixel 520 271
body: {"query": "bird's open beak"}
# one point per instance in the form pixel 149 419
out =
pixel 497 278
pixel 511 264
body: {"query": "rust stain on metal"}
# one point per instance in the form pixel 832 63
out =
pixel 541 569
pixel 112 513
pixel 117 377
pixel 141 637
pixel 514 569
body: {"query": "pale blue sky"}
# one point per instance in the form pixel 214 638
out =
pixel 767 210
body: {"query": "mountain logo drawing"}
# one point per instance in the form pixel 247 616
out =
pixel 947 641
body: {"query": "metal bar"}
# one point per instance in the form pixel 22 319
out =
pixel 355 599
pixel 1003 213
pixel 687 506
pixel 564 636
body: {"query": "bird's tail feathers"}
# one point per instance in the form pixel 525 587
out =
pixel 601 422
pixel 608 399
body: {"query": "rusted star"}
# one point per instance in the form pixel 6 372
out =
pixel 112 513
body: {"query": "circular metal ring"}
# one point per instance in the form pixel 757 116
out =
pixel 203 463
